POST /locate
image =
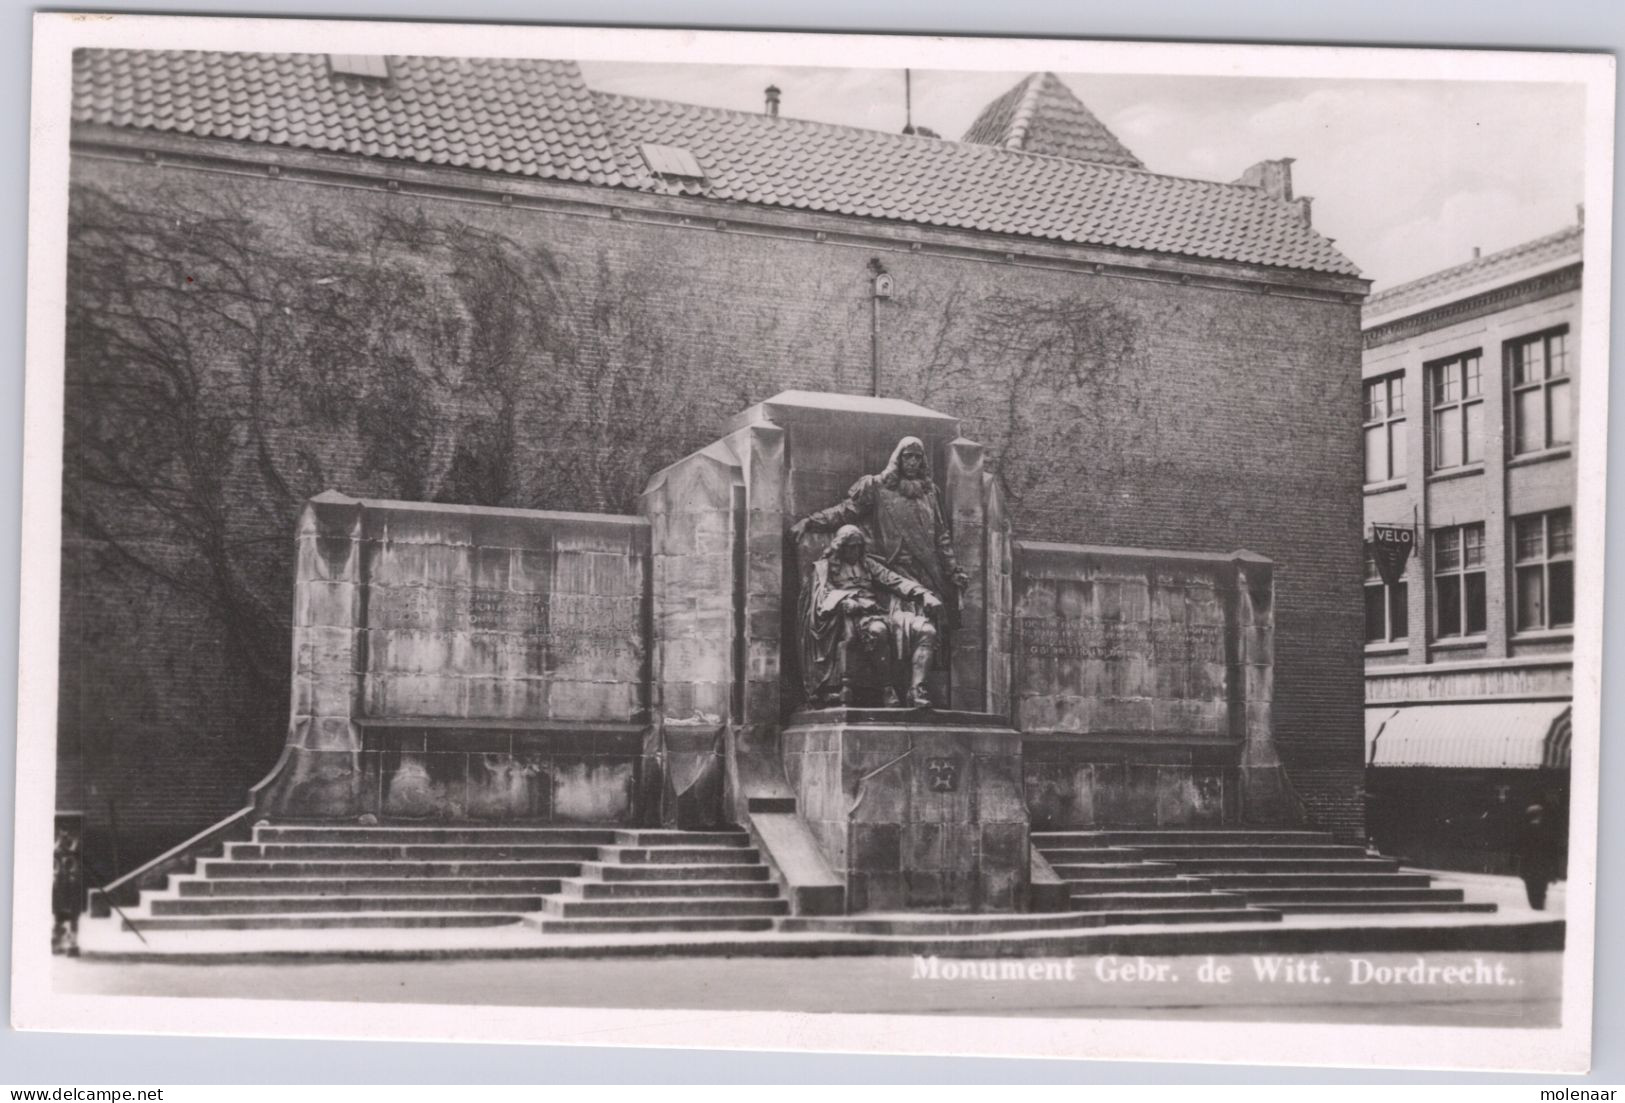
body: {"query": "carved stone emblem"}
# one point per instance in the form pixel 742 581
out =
pixel 944 774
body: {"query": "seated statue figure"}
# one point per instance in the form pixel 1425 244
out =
pixel 905 517
pixel 861 622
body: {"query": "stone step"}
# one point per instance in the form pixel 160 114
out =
pixel 627 890
pixel 698 871
pixel 313 922
pixel 682 855
pixel 222 868
pixel 1136 884
pixel 662 908
pixel 363 886
pixel 229 868
pixel 1134 837
pixel 1091 855
pixel 1272 897
pixel 1245 882
pixel 1175 852
pixel 1395 906
pixel 1147 901
pixel 681 838
pixel 1179 852
pixel 397 835
pixel 671 925
pixel 1204 866
pixel 273 905
pixel 1099 918
pixel 1101 870
pixel 937 924
pixel 433 852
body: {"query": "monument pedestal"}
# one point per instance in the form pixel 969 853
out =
pixel 914 809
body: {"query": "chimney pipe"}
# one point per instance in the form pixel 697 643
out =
pixel 1477 252
pixel 773 100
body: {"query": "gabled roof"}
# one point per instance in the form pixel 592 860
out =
pixel 538 118
pixel 1479 274
pixel 1042 115
pixel 754 158
pixel 535 118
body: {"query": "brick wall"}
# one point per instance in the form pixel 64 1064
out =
pixel 562 359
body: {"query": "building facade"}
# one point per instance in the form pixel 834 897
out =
pixel 485 282
pixel 1470 378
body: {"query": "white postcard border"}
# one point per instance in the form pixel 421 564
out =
pixel 37 1006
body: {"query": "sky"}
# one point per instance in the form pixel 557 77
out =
pixel 1407 176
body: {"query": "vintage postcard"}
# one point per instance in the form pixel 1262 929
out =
pixel 807 541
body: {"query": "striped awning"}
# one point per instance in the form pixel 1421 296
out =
pixel 1511 735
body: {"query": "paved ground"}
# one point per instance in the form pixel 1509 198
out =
pixel 108 937
pixel 1506 893
pixel 1477 989
pixel 1464 988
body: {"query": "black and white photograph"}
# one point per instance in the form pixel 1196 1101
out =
pixel 869 543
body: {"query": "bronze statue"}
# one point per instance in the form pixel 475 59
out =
pixel 902 513
pixel 906 531
pixel 859 613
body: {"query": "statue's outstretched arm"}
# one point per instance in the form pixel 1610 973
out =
pixel 825 520
pixel 850 511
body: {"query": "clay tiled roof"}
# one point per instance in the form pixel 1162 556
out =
pixel 1041 115
pixel 538 118
pixel 781 162
pixel 1504 267
pixel 535 118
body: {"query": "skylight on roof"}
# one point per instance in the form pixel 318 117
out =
pixel 373 66
pixel 671 161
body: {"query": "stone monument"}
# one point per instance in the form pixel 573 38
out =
pixel 914 809
pixel 821 629
pixel 834 747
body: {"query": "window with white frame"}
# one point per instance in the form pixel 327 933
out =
pixel 1539 367
pixel 1386 615
pixel 1543 557
pixel 1385 428
pixel 1457 397
pixel 1458 581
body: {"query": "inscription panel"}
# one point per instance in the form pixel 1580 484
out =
pixel 1094 638
pixel 458 609
pixel 1127 646
pixel 535 628
pixel 498 611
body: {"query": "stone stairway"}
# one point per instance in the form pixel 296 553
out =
pixel 563 879
pixel 1201 875
pixel 658 881
pixel 613 881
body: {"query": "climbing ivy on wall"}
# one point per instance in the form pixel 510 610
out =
pixel 224 365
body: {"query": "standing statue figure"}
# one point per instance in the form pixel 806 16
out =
pixel 882 618
pixel 902 513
